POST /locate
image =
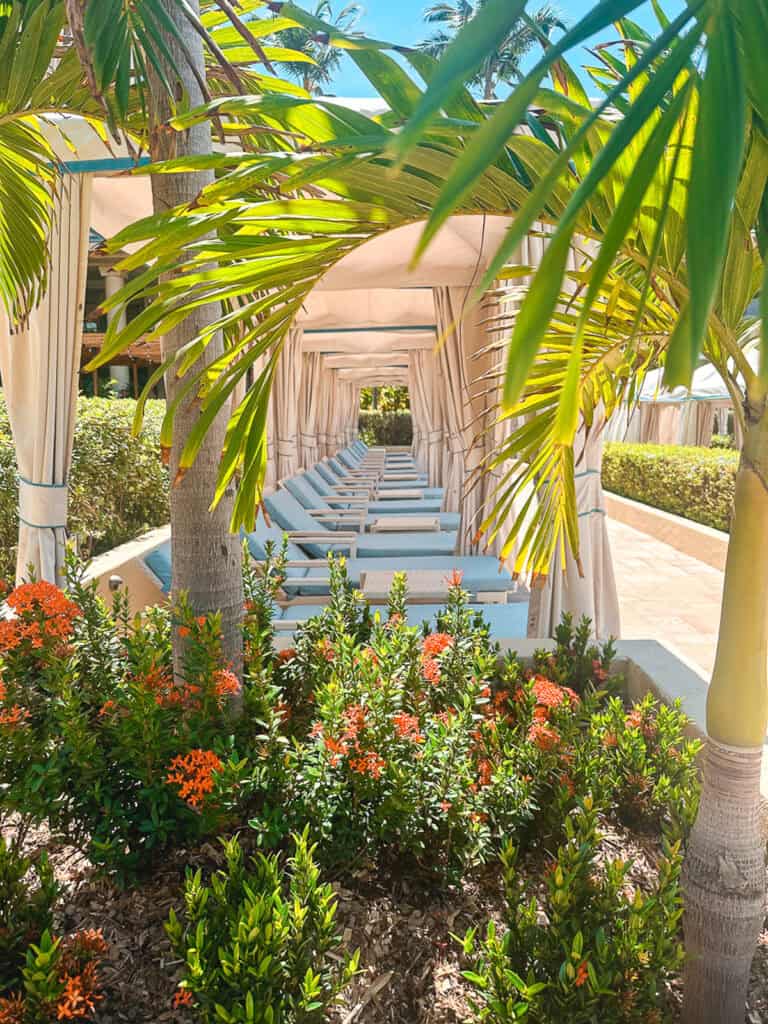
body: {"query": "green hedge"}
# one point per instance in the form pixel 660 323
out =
pixel 118 485
pixel 389 428
pixel 697 483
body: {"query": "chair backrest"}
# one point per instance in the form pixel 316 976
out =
pixel 318 482
pixel 304 492
pixel 290 515
pixel 327 473
pixel 338 468
pixel 348 459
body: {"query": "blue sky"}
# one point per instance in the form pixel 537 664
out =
pixel 400 21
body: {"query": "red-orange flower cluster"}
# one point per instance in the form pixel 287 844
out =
pixel 182 998
pixel 637 719
pixel 407 727
pixel 430 669
pixel 454 578
pixel 225 684
pixel 582 974
pixel 80 995
pixel 13 1009
pixel 369 763
pixel 543 736
pixel 14 716
pixel 288 654
pixel 42 613
pixel 436 643
pixel 193 774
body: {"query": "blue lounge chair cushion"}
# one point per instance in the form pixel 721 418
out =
pixel 481 572
pixel 159 562
pixel 302 489
pixel 505 621
pixel 289 514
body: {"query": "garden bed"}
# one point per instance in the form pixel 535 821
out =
pixel 441 790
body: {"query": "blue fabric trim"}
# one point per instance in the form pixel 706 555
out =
pixel 585 472
pixel 123 163
pixel 592 511
pixel 31 483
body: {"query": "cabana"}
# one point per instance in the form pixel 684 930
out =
pixel 371 320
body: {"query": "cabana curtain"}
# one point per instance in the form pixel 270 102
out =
pixel 39 364
pixel 310 407
pixel 285 401
pixel 593 593
pixel 425 415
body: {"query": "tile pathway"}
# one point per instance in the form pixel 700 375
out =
pixel 665 595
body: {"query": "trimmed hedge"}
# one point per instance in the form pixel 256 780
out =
pixel 386 428
pixel 118 484
pixel 696 483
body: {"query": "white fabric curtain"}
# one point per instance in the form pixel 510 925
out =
pixel 697 423
pixel 285 402
pixel 425 414
pixel 40 364
pixel 462 335
pixel 593 593
pixel 310 409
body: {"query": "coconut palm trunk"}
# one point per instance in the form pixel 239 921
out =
pixel 206 557
pixel 724 873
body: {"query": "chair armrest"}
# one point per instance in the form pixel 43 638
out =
pixel 303 563
pixel 352 502
pixel 334 538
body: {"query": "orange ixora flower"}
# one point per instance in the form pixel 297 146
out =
pixel 582 974
pixel 455 578
pixel 430 670
pixel 17 715
pixel 543 736
pixel 88 942
pixel 288 654
pixel 193 774
pixel 225 683
pixel 42 612
pixel 182 998
pixel 13 1009
pixel 407 727
pixel 107 708
pixel 369 763
pixel 550 695
pixel 80 995
pixel 436 643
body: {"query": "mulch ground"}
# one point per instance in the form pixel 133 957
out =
pixel 410 963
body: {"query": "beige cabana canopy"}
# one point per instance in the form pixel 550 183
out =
pixel 371 320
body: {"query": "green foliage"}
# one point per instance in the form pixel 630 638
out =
pixel 118 485
pixel 697 483
pixel 28 892
pixel 385 399
pixel 259 943
pixel 591 945
pixel 386 428
pixel 727 441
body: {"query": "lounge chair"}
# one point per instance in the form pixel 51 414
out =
pixel 309 577
pixel 314 535
pixel 334 491
pixel 335 473
pixel 386 479
pixel 304 492
pixel 505 621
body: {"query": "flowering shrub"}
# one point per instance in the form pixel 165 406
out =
pixel 27 895
pixel 100 740
pixel 590 945
pixel 60 980
pixel 258 944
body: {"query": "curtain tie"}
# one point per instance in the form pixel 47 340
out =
pixel 43 506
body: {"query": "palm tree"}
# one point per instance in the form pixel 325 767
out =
pixel 502 64
pixel 673 232
pixel 323 58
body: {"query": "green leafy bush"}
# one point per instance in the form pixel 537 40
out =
pixel 258 944
pixel 589 945
pixel 387 399
pixel 118 485
pixel 28 892
pixel 386 428
pixel 697 483
pixel 722 441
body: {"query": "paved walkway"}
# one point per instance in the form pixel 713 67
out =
pixel 665 595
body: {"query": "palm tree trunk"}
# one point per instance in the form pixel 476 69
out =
pixel 724 872
pixel 206 557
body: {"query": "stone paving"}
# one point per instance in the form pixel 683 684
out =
pixel 665 595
